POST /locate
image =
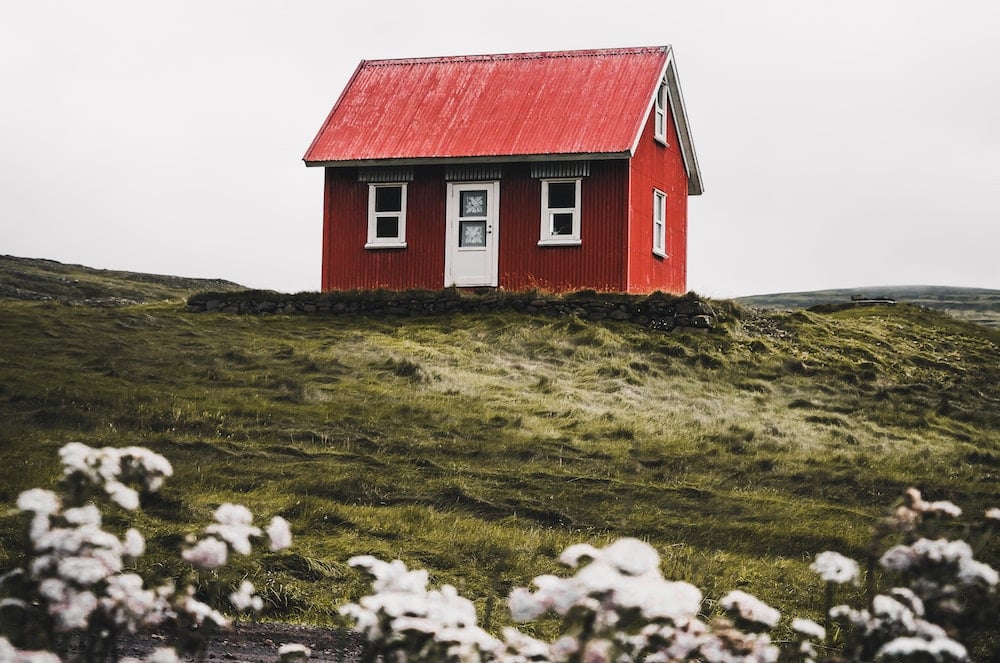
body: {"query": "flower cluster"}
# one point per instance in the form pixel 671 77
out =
pixel 232 530
pixel 74 580
pixel 616 607
pixel 404 618
pixel 943 589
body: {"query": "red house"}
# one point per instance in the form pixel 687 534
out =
pixel 561 171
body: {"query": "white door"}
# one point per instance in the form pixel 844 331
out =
pixel 472 235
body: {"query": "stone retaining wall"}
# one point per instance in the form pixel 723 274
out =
pixel 656 311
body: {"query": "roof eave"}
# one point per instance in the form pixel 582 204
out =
pixel 503 158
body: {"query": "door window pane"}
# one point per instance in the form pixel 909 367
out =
pixel 473 203
pixel 472 233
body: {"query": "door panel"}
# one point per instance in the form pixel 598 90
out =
pixel 472 234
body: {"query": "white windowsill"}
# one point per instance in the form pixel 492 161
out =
pixel 386 245
pixel 559 242
pixel 661 140
pixel 662 254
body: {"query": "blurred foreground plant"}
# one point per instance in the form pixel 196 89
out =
pixel 617 607
pixel 73 593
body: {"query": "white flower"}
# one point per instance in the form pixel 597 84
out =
pixel 162 655
pixel 808 628
pixel 129 605
pixel 199 612
pixel 909 648
pixel 898 558
pixel 524 606
pixel 942 506
pixel 631 556
pixel 84 571
pixel 38 501
pixel 834 567
pixel 279 534
pixel 209 553
pixel 244 598
pixel 528 648
pixel 993 514
pixel 154 467
pixel 233 525
pixel 750 608
pixel 293 653
pixel 83 515
pixel 972 572
pixel 127 498
pixel 134 545
pixel 233 514
pixel 572 555
pixel 73 612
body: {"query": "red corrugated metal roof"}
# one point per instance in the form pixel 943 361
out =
pixel 584 103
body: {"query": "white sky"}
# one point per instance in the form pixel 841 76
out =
pixel 842 144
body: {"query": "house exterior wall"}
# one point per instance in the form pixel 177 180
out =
pixel 599 263
pixel 662 167
pixel 615 254
pixel 348 265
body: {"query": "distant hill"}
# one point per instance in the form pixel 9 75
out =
pixel 37 279
pixel 971 304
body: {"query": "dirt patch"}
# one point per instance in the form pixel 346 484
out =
pixel 259 643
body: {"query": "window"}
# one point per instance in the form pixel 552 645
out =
pixel 660 114
pixel 659 223
pixel 560 212
pixel 386 216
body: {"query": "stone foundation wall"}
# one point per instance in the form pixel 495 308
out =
pixel 657 311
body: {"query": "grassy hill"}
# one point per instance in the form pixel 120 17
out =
pixel 479 446
pixel 47 280
pixel 971 304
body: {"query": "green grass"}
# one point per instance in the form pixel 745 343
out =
pixel 479 446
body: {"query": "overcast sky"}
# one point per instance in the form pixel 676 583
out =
pixel 842 144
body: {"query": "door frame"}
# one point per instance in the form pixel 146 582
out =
pixel 451 247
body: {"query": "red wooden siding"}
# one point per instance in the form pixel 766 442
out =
pixel 598 263
pixel 656 166
pixel 348 265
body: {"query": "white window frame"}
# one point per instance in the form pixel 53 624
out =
pixel 659 223
pixel 660 113
pixel 374 241
pixel 548 237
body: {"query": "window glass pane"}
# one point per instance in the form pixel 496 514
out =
pixel 388 199
pixel 562 195
pixel 472 233
pixel 473 203
pixel 387 226
pixel 562 223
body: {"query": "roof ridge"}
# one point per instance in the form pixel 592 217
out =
pixel 533 55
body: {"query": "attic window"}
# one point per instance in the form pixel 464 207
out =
pixel 386 216
pixel 660 113
pixel 560 212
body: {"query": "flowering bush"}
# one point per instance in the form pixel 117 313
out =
pixel 617 607
pixel 73 590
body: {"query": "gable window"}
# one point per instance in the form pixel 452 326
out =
pixel 660 114
pixel 560 212
pixel 659 223
pixel 386 216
